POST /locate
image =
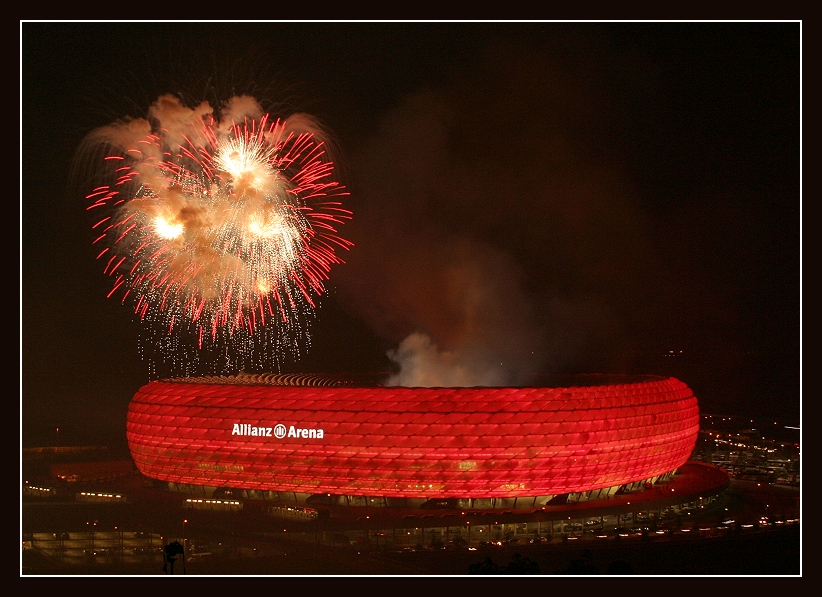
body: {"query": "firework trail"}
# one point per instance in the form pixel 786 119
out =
pixel 218 232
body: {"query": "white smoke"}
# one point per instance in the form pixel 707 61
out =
pixel 423 364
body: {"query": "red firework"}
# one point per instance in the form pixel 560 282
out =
pixel 218 228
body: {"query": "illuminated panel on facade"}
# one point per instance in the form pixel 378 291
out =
pixel 312 434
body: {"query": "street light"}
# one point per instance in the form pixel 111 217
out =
pixel 92 529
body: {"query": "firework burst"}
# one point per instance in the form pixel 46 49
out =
pixel 220 233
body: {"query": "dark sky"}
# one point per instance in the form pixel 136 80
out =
pixel 527 197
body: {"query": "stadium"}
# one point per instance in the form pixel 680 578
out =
pixel 335 440
pixel 334 465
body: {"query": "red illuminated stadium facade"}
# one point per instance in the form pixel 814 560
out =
pixel 319 437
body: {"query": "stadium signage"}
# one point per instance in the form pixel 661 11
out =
pixel 279 431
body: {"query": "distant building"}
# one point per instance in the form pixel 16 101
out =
pixel 83 472
pixel 76 464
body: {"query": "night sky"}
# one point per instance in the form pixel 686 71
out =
pixel 527 197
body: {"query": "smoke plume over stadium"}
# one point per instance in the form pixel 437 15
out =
pixel 495 239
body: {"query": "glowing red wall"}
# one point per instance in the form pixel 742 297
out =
pixel 414 442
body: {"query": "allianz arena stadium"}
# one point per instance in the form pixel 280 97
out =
pixel 305 437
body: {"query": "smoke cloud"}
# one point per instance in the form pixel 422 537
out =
pixel 494 234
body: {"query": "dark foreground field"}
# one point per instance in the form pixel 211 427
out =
pixel 771 553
